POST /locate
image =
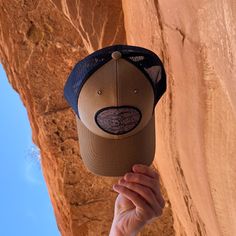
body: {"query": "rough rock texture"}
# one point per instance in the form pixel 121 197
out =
pixel 41 40
pixel 197 118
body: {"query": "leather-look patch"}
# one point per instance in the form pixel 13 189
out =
pixel 118 120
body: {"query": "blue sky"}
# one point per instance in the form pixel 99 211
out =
pixel 25 207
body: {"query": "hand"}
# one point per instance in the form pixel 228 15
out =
pixel 138 202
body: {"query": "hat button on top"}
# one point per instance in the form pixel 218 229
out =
pixel 116 55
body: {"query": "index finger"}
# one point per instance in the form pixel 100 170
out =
pixel 145 170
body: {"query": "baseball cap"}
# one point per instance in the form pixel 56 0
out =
pixel 113 92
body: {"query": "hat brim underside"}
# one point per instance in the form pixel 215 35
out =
pixel 115 157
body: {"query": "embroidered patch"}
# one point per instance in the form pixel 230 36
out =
pixel 118 120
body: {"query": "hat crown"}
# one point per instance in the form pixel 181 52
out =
pixel 145 60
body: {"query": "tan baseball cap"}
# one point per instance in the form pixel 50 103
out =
pixel 113 92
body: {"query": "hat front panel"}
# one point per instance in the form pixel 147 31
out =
pixel 119 89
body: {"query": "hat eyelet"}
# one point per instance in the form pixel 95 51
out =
pixel 99 92
pixel 135 90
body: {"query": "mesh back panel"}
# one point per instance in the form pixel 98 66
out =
pixel 146 60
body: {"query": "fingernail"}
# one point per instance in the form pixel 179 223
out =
pixel 137 166
pixel 116 186
pixel 127 176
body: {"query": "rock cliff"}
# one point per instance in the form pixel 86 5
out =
pixel 40 41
